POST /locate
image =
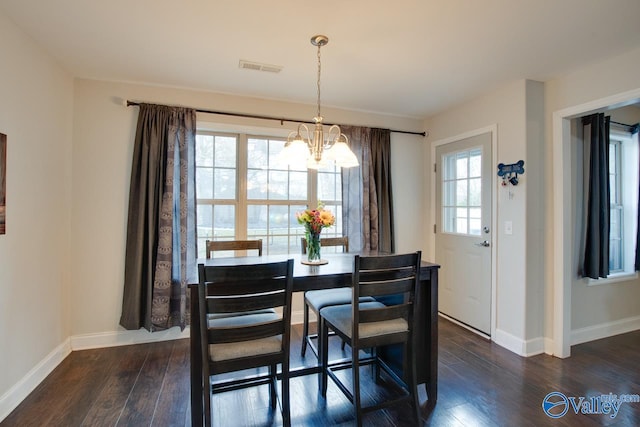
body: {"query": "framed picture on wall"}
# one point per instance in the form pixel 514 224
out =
pixel 3 182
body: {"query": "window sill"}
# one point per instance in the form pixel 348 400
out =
pixel 614 278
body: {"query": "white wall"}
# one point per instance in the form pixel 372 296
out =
pixel 602 309
pixel 103 144
pixel 36 101
pixel 516 109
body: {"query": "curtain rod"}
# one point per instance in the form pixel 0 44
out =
pixel 632 128
pixel 279 119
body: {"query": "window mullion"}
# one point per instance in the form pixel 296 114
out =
pixel 241 188
pixel 312 188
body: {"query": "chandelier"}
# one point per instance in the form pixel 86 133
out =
pixel 314 150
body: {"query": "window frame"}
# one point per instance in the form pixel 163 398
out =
pixel 241 202
pixel 628 170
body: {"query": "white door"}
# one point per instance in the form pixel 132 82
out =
pixel 463 230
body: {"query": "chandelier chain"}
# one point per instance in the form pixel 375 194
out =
pixel 319 67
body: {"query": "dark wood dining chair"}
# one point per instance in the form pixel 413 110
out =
pixel 394 279
pixel 235 343
pixel 316 300
pixel 233 245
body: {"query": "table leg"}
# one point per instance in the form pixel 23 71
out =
pixel 195 361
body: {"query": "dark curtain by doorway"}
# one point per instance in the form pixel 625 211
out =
pixel 596 255
pixel 635 129
pixel 367 197
pixel 160 248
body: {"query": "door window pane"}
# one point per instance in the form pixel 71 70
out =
pixel 462 192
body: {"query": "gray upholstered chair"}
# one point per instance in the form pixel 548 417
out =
pixel 239 342
pixel 393 279
pixel 317 300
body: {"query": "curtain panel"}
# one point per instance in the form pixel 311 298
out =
pixel 161 232
pixel 596 248
pixel 634 130
pixel 367 199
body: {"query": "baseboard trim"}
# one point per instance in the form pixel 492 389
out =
pixel 525 348
pixel 297 317
pixel 16 394
pixel 605 330
pixel 118 338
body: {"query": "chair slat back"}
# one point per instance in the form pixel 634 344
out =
pixel 245 302
pixel 382 276
pixel 236 289
pixel 252 332
pixel 328 241
pixel 233 245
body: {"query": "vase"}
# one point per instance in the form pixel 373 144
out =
pixel 313 247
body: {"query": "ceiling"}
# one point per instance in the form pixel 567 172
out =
pixel 410 58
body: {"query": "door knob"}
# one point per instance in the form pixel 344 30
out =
pixel 484 243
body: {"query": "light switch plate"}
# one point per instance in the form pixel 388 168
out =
pixel 508 227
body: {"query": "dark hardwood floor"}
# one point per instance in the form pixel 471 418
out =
pixel 480 384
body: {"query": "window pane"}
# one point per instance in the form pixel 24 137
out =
pixel 449 193
pixel 449 220
pixel 224 220
pixel 475 192
pixel 613 195
pixel 224 184
pixel 225 151
pixel 327 186
pixel 204 183
pixel 275 148
pixel 257 153
pixel 461 193
pixel 298 185
pixel 277 245
pixel 462 163
pixel 449 167
pixel 278 185
pixel 256 185
pixel 205 220
pixel 257 221
pixel 204 150
pixel 475 163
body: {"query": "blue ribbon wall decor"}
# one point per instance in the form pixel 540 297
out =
pixel 509 173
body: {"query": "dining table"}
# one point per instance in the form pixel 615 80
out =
pixel 335 273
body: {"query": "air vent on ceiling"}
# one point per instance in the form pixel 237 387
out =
pixel 248 65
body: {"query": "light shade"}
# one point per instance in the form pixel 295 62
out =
pixel 314 150
pixel 295 152
pixel 342 155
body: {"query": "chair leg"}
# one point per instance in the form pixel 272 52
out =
pixel 376 365
pixel 273 398
pixel 413 383
pixel 357 404
pixel 286 407
pixel 305 329
pixel 206 395
pixel 323 353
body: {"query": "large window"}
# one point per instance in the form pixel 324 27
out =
pixel 245 191
pixel 623 186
